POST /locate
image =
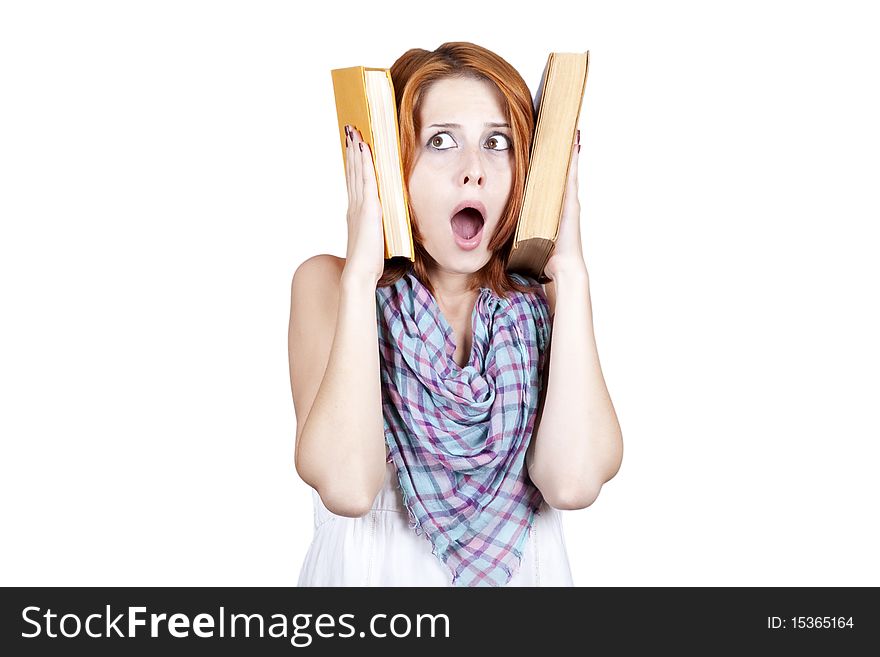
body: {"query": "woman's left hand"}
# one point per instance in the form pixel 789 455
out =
pixel 568 251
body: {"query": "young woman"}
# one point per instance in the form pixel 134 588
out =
pixel 438 434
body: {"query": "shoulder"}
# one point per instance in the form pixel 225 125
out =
pixel 319 269
pixel 314 293
pixel 316 280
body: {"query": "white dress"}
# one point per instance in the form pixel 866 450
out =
pixel 380 548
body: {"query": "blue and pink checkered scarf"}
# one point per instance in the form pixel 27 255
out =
pixel 458 436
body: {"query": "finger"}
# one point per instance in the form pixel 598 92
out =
pixel 369 172
pixel 571 179
pixel 575 160
pixel 358 182
pixel 349 166
pixel 570 199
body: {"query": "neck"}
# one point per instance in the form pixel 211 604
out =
pixel 452 292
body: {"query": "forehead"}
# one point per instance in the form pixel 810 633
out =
pixel 451 99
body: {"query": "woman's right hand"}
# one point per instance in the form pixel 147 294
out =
pixel 365 254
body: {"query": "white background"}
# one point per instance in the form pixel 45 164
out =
pixel 165 166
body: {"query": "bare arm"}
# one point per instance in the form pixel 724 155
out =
pixel 577 444
pixel 334 373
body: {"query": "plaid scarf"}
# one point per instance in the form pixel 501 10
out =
pixel 458 436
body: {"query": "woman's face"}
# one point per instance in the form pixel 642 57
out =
pixel 464 156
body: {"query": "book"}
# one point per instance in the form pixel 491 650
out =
pixel 365 100
pixel 558 105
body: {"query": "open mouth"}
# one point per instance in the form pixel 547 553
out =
pixel 467 223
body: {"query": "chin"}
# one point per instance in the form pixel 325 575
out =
pixel 467 263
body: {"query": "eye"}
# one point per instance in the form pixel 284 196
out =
pixel 498 142
pixel 437 141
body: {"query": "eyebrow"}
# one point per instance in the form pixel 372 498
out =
pixel 458 125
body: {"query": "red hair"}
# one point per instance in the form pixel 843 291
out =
pixel 412 74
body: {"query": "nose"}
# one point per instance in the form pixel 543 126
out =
pixel 473 170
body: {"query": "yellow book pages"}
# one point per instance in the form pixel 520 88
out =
pixel 405 247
